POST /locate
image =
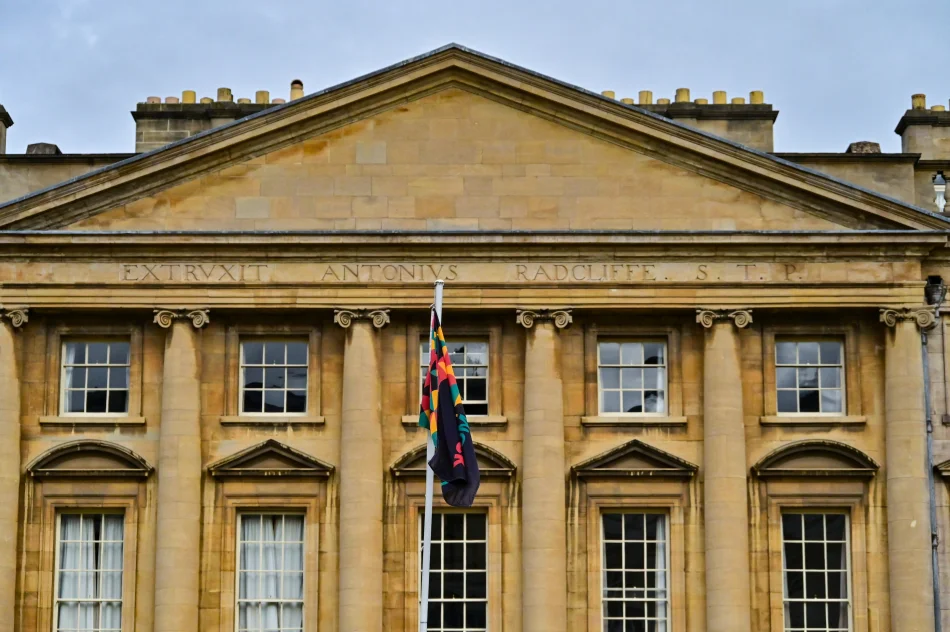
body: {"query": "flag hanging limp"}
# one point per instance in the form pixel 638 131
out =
pixel 442 413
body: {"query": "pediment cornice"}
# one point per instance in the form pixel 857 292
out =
pixel 457 67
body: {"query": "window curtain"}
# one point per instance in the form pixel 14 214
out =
pixel 271 573
pixel 843 612
pixel 662 593
pixel 90 572
pixel 111 572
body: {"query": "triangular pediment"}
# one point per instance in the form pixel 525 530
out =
pixel 816 457
pixel 634 458
pixel 269 459
pixel 457 140
pixel 491 463
pixel 89 458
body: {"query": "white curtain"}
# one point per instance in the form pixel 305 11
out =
pixel 271 573
pixel 90 568
pixel 661 587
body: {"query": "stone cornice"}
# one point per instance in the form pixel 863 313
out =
pixel 924 317
pixel 740 318
pixel 345 317
pixel 164 317
pixel 457 67
pixel 560 317
pixel 17 316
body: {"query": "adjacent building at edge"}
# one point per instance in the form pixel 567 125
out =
pixel 706 381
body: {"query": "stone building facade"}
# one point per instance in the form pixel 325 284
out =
pixel 707 381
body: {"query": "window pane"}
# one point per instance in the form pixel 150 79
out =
pixel 119 353
pixel 97 352
pixel 95 401
pixel 253 352
pixel 476 389
pixel 454 526
pixel 609 353
pixel 274 378
pixel 808 353
pixel 296 401
pixel 613 526
pixel 830 378
pixel 119 377
pixel 788 401
pixel 475 526
pixel 785 353
pixel 633 401
pixel 785 377
pixel 253 401
pixel 653 353
pixel 611 401
pixel 831 401
pixel 296 378
pixel 808 402
pixel 610 378
pixel 634 378
pixel 75 353
pixel 631 353
pixel 118 401
pixel 273 401
pixel 75 377
pixel 808 378
pixel 75 401
pixel 274 353
pixel 297 353
pixel 653 402
pixel 830 352
pixel 98 378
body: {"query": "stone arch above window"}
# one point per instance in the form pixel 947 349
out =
pixel 270 459
pixel 816 457
pixel 491 463
pixel 89 458
pixel 633 459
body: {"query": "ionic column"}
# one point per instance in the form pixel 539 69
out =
pixel 361 479
pixel 178 546
pixel 725 504
pixel 9 461
pixel 543 513
pixel 910 574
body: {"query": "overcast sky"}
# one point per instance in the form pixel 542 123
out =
pixel 837 70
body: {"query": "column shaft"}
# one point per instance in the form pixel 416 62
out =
pixel 9 472
pixel 725 503
pixel 177 550
pixel 361 484
pixel 544 532
pixel 908 496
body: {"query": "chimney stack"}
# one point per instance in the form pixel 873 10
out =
pixel 296 89
pixel 925 131
pixel 5 123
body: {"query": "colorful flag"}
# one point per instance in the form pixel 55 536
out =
pixel 442 413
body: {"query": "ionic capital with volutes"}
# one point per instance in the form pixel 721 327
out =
pixel 18 316
pixel 345 317
pixel 560 317
pixel 739 317
pixel 923 316
pixel 165 317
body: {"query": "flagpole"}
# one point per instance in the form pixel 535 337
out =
pixel 427 521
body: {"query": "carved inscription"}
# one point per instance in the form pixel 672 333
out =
pixel 503 273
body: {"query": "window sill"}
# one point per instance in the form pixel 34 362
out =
pixel 816 420
pixel 475 421
pixel 82 420
pixel 271 420
pixel 631 421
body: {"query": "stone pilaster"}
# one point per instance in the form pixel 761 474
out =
pixel 361 480
pixel 908 496
pixel 543 513
pixel 725 503
pixel 178 546
pixel 9 461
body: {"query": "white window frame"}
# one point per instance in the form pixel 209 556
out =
pixel 665 389
pixel 57 541
pixel 465 541
pixel 424 368
pixel 603 558
pixel 241 366
pixel 849 602
pixel 64 386
pixel 843 376
pixel 237 566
